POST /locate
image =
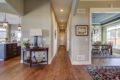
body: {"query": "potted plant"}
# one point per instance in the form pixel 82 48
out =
pixel 27 44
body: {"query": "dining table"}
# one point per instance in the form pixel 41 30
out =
pixel 103 47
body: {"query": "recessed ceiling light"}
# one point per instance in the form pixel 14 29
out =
pixel 61 10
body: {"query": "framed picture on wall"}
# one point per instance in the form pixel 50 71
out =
pixel 81 30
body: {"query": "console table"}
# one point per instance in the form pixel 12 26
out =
pixel 31 50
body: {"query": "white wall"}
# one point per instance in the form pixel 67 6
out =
pixel 54 35
pixel 79 44
pixel 38 16
pixel 69 32
pixel 14 27
pixel 58 38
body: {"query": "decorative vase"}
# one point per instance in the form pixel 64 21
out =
pixel 27 46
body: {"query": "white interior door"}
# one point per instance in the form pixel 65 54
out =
pixel 62 39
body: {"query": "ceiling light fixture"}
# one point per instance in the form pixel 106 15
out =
pixel 5 23
pixel 19 26
pixel 61 10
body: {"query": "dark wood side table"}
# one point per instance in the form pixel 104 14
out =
pixel 31 50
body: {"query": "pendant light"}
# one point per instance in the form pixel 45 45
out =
pixel 19 26
pixel 5 23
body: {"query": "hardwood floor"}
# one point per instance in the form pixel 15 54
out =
pixel 106 62
pixel 59 69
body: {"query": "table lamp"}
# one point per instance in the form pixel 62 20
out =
pixel 36 33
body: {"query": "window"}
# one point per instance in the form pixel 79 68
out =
pixel 2 34
pixel 113 35
pixel 16 36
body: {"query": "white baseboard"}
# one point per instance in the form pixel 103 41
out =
pixel 81 62
pixel 53 57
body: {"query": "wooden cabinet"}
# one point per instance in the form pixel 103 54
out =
pixel 19 50
pixel 8 51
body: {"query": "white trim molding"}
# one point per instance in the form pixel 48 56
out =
pixel 104 10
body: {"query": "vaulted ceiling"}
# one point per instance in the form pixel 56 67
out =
pixel 4 7
pixel 12 14
pixel 62 9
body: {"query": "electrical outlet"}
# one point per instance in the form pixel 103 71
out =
pixel 80 57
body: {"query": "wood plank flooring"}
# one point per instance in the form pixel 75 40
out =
pixel 106 62
pixel 59 69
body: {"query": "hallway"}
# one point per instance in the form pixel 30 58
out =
pixel 59 69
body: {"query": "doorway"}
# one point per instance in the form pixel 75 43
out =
pixel 62 38
pixel 105 35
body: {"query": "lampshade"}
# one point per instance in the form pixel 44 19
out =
pixel 35 32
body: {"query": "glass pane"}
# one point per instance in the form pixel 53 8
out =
pixel 113 34
pixel 16 36
pixel 111 37
pixel 118 39
pixel 2 35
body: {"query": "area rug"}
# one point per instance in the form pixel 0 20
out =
pixel 104 72
pixel 105 56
